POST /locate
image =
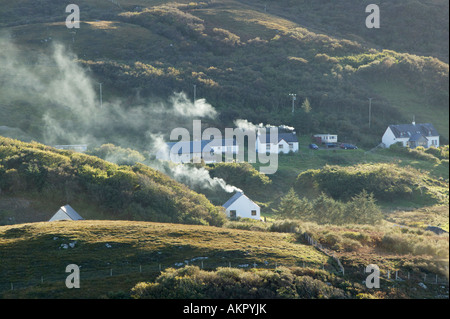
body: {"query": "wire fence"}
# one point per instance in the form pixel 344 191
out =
pixel 418 277
pixel 144 272
pixel 149 271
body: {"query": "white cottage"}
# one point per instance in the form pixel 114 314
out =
pixel 411 135
pixel 191 151
pixel 66 213
pixel 240 205
pixel 285 143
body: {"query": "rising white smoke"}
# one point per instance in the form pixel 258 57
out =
pixel 246 125
pixel 71 112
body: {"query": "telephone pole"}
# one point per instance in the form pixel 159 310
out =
pixel 195 93
pixel 294 97
pixel 101 97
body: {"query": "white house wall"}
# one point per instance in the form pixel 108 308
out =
pixel 60 215
pixel 433 141
pixel 275 148
pixel 243 207
pixel 389 138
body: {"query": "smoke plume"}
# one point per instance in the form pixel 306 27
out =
pixel 68 99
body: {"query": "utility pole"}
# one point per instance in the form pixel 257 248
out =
pixel 195 93
pixel 294 97
pixel 101 98
pixel 370 111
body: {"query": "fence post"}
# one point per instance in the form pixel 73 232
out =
pixel 389 274
pixel 110 273
pixel 140 268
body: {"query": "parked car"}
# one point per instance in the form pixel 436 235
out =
pixel 313 146
pixel 346 146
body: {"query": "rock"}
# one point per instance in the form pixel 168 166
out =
pixel 108 245
pixel 421 284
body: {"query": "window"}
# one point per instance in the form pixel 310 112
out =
pixel 280 146
pixel 253 212
pixel 232 214
pixel 291 145
pixel 267 147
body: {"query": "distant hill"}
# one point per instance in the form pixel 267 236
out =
pixel 36 180
pixel 245 57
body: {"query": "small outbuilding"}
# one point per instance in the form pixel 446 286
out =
pixel 66 213
pixel 240 205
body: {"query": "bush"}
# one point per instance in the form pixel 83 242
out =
pixel 419 152
pixel 286 226
pixel 230 283
pixel 385 181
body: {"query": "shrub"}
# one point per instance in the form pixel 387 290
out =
pixel 286 226
pixel 190 282
pixel 385 181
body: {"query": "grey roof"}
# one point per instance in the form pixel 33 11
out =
pixel 69 211
pixel 199 146
pixel 288 137
pixel 408 130
pixel 234 198
pixel 417 137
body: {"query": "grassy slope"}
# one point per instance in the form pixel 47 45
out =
pixel 138 192
pixel 290 166
pixel 410 104
pixel 29 251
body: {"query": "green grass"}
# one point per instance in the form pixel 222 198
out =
pixel 409 103
pixel 290 166
pixel 31 251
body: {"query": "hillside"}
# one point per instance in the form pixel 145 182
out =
pixel 53 178
pixel 240 56
pixel 117 259
pixel 29 251
pixel 136 70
